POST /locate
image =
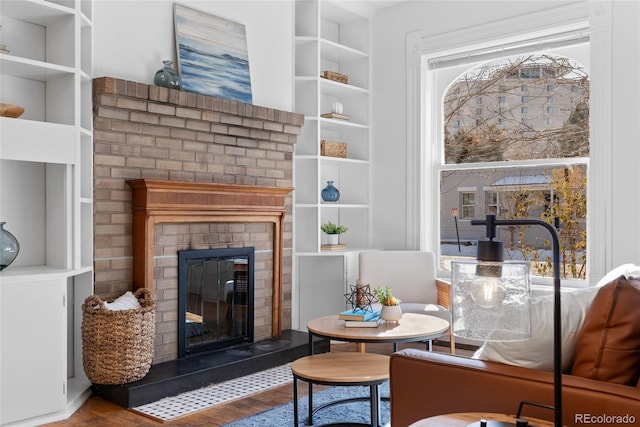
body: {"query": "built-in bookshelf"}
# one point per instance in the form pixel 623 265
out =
pixel 330 40
pixel 46 200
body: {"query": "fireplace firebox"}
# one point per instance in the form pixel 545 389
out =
pixel 215 299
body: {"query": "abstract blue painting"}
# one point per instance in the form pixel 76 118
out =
pixel 212 55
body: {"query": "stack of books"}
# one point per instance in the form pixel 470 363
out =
pixel 358 318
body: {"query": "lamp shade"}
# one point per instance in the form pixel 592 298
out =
pixel 490 300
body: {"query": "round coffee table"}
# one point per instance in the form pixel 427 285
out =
pixel 413 327
pixel 464 419
pixel 341 369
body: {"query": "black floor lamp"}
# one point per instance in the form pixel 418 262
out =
pixel 490 298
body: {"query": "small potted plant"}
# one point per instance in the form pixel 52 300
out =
pixel 333 232
pixel 391 311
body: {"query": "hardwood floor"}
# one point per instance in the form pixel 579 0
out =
pixel 98 412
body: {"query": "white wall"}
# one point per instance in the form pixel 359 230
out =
pixel 392 203
pixel 394 210
pixel 625 133
pixel 132 37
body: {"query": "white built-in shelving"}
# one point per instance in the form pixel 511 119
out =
pixel 332 38
pixel 46 200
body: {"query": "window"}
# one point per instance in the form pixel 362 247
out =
pixel 491 198
pixel 479 100
pixel 468 204
pixel 502 99
pixel 530 73
pixel 531 166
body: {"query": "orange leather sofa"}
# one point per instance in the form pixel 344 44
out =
pixel 602 388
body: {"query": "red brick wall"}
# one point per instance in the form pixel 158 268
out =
pixel 143 131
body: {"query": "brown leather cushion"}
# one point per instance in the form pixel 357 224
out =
pixel 608 347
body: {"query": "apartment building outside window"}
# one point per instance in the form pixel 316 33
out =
pixel 525 161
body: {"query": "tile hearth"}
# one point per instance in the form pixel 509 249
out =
pixel 191 373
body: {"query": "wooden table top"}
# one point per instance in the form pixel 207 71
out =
pixel 342 367
pixel 412 327
pixel 463 419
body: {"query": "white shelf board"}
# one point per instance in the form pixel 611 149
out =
pixel 32 69
pixel 304 40
pixel 329 159
pixel 334 88
pixel 338 160
pixel 34 141
pixel 37 11
pixel 85 21
pixel 347 251
pixel 304 79
pixel 332 205
pixel 339 205
pixel 333 11
pixel 27 274
pixel 336 124
pixel 336 52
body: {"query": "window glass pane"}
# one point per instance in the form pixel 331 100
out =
pixel 536 137
pixel 505 141
pixel 531 192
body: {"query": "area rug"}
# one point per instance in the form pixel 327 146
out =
pixel 173 407
pixel 353 412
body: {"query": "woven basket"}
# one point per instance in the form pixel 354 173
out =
pixel 118 345
pixel 333 148
pixel 338 77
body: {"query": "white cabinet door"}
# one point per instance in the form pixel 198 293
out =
pixel 33 348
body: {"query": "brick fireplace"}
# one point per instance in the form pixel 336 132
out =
pixel 149 134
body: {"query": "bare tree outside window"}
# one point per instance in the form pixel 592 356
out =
pixel 530 142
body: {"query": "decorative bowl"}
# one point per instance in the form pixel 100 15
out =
pixel 10 110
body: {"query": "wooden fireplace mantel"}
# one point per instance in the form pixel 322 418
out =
pixel 163 201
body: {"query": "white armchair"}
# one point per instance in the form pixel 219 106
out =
pixel 412 277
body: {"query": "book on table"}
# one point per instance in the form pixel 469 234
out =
pixel 372 323
pixel 358 314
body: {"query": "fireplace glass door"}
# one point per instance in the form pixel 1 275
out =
pixel 215 299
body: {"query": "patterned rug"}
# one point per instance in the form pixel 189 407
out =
pixel 345 414
pixel 170 408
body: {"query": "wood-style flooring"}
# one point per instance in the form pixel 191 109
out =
pixel 97 412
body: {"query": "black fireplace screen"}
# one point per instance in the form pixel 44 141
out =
pixel 215 299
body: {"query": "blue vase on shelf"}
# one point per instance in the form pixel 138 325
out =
pixel 330 193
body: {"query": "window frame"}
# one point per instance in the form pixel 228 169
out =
pixel 422 140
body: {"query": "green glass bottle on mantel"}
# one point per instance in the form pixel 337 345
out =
pixel 167 77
